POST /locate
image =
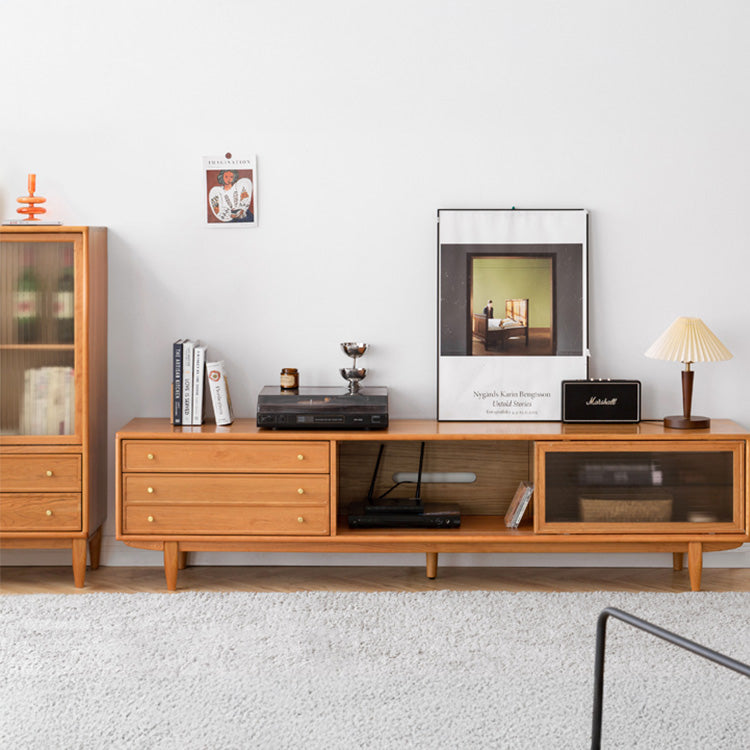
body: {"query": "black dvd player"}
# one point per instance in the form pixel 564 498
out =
pixel 429 516
pixel 323 408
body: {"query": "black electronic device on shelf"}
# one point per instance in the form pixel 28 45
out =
pixel 323 408
pixel 382 513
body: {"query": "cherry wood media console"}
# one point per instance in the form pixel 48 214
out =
pixel 604 488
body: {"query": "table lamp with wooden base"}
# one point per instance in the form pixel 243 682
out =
pixel 688 340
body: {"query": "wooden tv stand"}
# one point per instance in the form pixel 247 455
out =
pixel 604 488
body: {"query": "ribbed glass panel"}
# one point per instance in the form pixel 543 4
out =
pixel 37 347
pixel 639 487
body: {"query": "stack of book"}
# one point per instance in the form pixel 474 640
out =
pixel 189 370
pixel 48 405
pixel 519 504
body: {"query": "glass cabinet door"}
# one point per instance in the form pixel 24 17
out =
pixel 651 487
pixel 39 335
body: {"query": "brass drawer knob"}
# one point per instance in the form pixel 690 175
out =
pixel 49 473
pixel 150 519
pixel 150 490
pixel 300 519
pixel 300 457
pixel 49 512
pixel 300 491
pixel 150 456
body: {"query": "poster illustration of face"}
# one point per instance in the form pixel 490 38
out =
pixel 230 189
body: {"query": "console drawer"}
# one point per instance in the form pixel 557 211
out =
pixel 38 511
pixel 214 518
pixel 51 472
pixel 226 489
pixel 269 456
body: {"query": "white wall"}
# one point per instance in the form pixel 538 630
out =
pixel 367 118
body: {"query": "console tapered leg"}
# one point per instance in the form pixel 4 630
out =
pixel 432 562
pixel 95 548
pixel 171 564
pixel 79 562
pixel 677 560
pixel 695 564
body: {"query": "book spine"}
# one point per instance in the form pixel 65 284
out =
pixel 177 382
pixel 69 401
pixel 188 348
pixel 26 411
pixel 219 388
pixel 41 396
pixel 199 365
pixel 53 402
pixel 527 493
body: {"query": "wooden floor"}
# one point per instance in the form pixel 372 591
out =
pixel 59 580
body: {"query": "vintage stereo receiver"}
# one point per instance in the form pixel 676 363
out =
pixel 601 401
pixel 323 408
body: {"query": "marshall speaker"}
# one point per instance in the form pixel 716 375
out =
pixel 601 401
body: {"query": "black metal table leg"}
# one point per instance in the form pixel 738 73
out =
pixel 637 622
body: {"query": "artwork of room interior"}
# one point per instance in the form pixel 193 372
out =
pixel 312 310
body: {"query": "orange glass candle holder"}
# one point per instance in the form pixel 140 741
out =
pixel 31 208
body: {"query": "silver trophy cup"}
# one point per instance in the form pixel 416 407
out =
pixel 353 374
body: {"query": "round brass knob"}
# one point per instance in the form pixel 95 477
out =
pixel 300 491
pixel 49 512
pixel 300 457
pixel 49 473
pixel 150 456
pixel 150 519
pixel 300 519
pixel 149 490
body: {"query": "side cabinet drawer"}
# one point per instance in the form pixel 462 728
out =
pixel 40 473
pixel 216 518
pixel 226 489
pixel 40 511
pixel 266 456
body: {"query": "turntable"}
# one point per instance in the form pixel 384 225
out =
pixel 323 408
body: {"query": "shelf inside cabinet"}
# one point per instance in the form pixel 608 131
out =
pixel 38 347
pixel 473 526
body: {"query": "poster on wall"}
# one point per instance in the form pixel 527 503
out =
pixel 230 190
pixel 512 312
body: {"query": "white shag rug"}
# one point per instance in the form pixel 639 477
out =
pixel 366 670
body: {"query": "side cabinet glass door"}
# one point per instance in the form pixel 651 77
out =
pixel 39 337
pixel 664 487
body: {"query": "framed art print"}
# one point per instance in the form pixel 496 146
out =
pixel 230 185
pixel 512 312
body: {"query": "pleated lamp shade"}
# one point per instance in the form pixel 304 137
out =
pixel 688 340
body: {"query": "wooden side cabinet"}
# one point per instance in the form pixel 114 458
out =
pixel 611 488
pixel 53 368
